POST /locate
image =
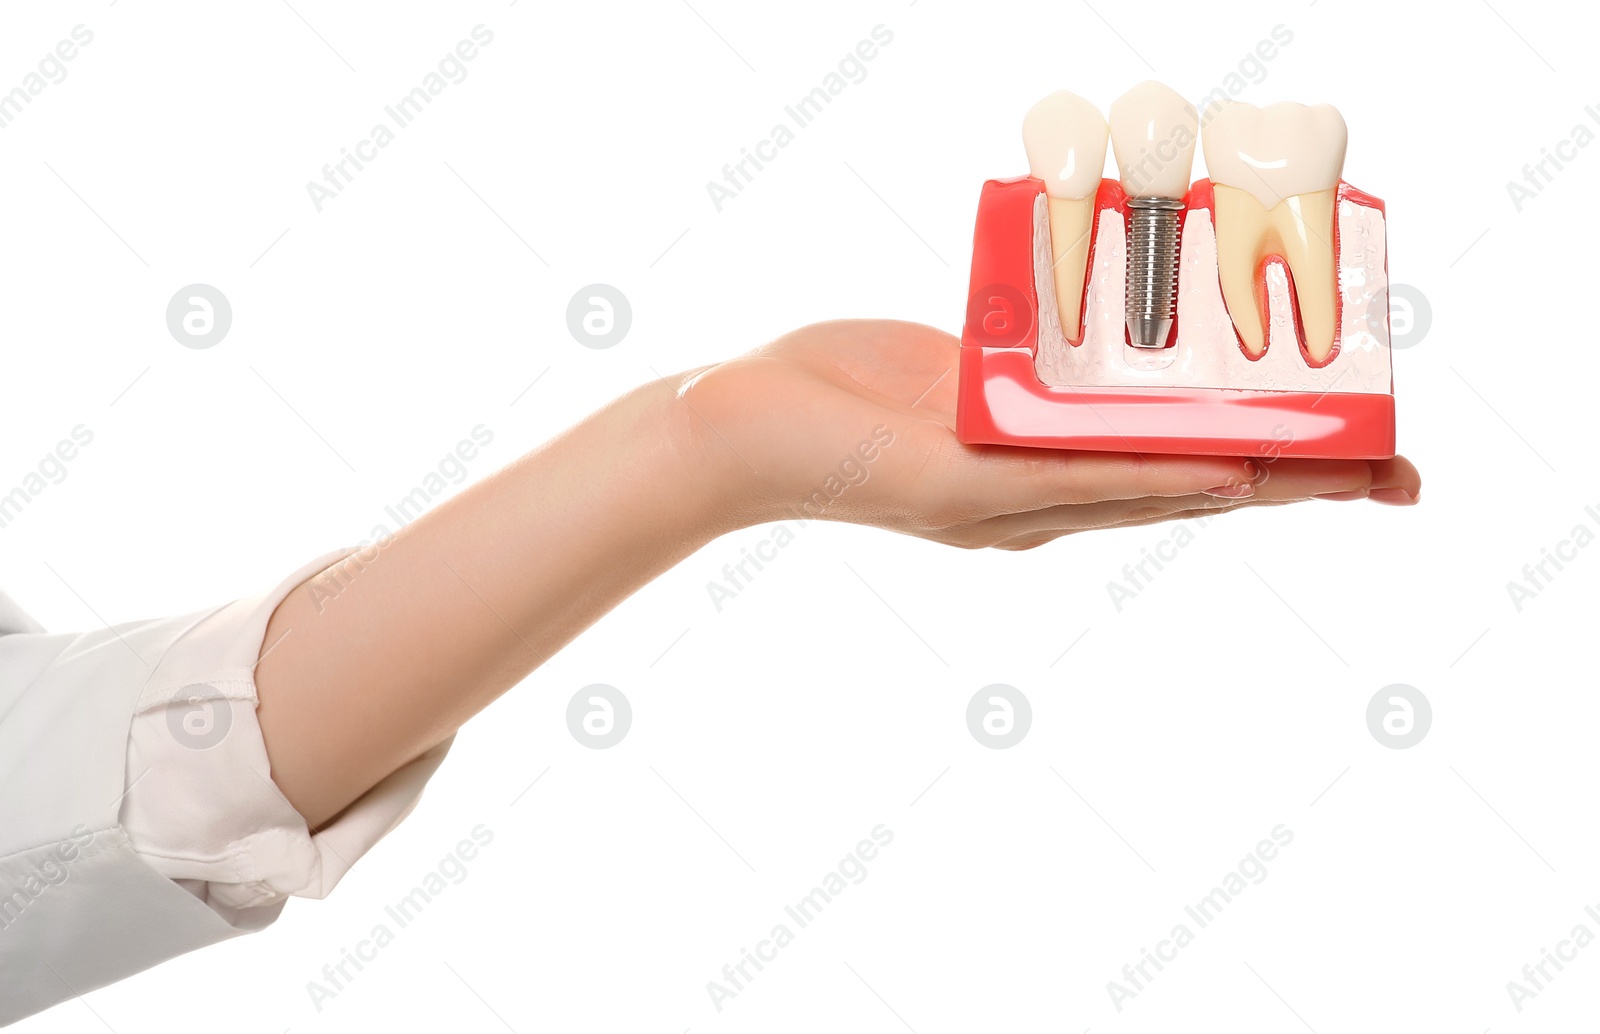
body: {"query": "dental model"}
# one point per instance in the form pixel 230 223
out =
pixel 1065 137
pixel 1242 314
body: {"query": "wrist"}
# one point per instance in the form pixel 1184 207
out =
pixel 707 482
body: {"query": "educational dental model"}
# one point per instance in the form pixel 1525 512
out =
pixel 1150 314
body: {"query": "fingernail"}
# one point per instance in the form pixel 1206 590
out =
pixel 1359 493
pixel 1239 491
pixel 1393 496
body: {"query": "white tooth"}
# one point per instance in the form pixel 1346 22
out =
pixel 1275 152
pixel 1276 173
pixel 1065 137
pixel 1154 132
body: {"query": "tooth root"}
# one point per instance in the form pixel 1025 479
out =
pixel 1065 137
pixel 1071 224
pixel 1299 230
pixel 1243 228
pixel 1303 225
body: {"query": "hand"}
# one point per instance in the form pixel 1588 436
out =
pixel 854 420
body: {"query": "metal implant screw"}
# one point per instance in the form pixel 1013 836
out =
pixel 1152 285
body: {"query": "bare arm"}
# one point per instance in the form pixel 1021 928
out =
pixel 377 659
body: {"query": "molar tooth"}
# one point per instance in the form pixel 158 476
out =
pixel 1275 171
pixel 1065 137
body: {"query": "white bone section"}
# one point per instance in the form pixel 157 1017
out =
pixel 1207 353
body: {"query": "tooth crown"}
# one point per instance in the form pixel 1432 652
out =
pixel 1153 133
pixel 1277 151
pixel 1065 137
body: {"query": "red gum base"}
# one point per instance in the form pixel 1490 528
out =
pixel 1001 401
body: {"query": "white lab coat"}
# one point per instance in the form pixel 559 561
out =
pixel 82 903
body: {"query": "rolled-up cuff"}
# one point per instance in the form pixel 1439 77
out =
pixel 201 807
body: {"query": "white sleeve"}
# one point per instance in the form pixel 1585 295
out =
pixel 202 808
pixel 138 817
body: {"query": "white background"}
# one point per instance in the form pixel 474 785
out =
pixel 1167 739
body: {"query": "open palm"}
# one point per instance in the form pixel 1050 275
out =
pixel 854 420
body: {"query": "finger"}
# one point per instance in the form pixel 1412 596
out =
pixel 1200 512
pixel 994 480
pixel 1283 480
pixel 1395 481
pixel 1038 538
pixel 1061 520
pixel 1303 479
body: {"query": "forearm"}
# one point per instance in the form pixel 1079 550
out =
pixel 382 656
